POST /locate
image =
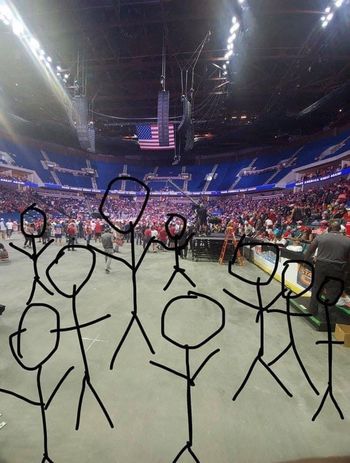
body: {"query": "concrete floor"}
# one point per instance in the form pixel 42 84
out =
pixel 147 404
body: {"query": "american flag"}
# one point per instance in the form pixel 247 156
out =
pixel 148 136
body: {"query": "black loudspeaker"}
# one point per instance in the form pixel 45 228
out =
pixel 2 308
pixel 163 117
pixel 186 129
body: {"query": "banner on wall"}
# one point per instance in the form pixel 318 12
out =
pixel 298 277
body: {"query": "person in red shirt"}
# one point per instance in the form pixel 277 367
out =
pixel 71 234
pixel 147 236
pixel 98 231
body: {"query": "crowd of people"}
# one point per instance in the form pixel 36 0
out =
pixel 284 217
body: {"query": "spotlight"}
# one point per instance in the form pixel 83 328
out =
pixel 325 24
pixel 59 69
pixel 224 66
pixel 47 64
pixel 338 3
pixel 323 18
pixel 234 19
pixel 49 59
pixel 230 46
pixel 328 9
pixel 227 62
pixel 330 17
pixel 225 73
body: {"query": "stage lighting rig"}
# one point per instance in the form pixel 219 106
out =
pixel 329 12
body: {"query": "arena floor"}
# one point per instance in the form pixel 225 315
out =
pixel 147 404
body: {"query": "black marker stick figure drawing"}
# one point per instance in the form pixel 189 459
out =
pixel 187 347
pixel 260 318
pixel 44 405
pixel 134 266
pixel 288 295
pixel 327 299
pixel 34 256
pixel 86 382
pixel 176 238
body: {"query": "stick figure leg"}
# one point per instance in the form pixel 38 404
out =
pixel 305 372
pixel 188 279
pixel 280 355
pixel 336 404
pixel 170 280
pixel 32 292
pixel 275 377
pixel 180 453
pixel 144 334
pixel 77 424
pixel 122 342
pixel 193 455
pixel 46 459
pixel 92 389
pixel 245 379
pixel 321 404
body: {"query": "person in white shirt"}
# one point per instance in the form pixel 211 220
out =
pixel 2 229
pixel 9 228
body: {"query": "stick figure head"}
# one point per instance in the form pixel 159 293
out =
pixel 269 250
pixel 145 191
pixel 61 284
pixel 24 342
pixel 192 320
pixel 180 234
pixel 330 291
pixel 30 214
pixel 306 272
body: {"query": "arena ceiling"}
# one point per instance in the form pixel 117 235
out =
pixel 283 63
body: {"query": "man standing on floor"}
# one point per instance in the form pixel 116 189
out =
pixel 333 254
pixel 107 243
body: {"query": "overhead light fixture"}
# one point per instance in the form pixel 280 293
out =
pixel 328 9
pixel 325 24
pixel 49 59
pixel 338 3
pixel 224 66
pixel 59 69
pixel 330 17
pixel 66 76
pixel 323 18
pixel 234 19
